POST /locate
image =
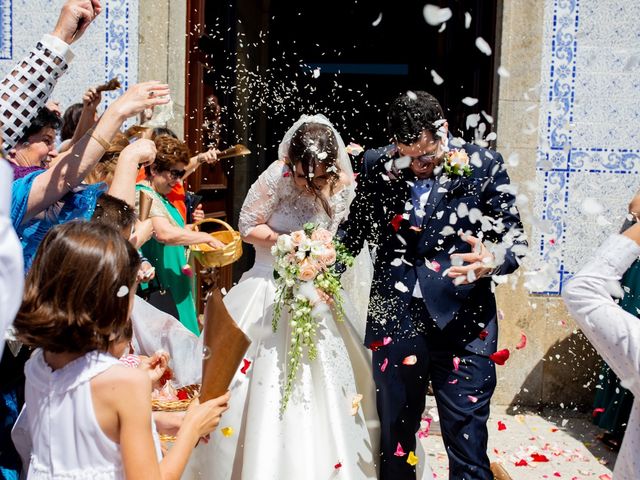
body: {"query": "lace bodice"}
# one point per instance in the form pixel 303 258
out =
pixel 275 200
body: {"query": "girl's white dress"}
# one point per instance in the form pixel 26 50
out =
pixel 67 441
pixel 319 436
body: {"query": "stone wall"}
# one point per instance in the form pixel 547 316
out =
pixel 566 120
pixel 108 49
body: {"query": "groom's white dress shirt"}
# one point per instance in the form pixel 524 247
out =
pixel 613 332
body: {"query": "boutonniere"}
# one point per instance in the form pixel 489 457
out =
pixel 456 163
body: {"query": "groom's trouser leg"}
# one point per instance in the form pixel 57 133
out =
pixel 400 396
pixel 463 398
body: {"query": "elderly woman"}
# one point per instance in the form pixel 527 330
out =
pixel 166 251
pixel 614 332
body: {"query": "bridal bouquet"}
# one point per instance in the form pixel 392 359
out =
pixel 307 282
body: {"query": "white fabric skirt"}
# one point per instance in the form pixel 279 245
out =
pixel 317 437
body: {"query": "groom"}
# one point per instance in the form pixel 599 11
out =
pixel 443 222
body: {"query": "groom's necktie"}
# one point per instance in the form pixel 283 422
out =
pixel 419 196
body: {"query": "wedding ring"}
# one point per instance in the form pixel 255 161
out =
pixel 152 94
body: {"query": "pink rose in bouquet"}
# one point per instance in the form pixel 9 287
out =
pixel 322 235
pixel 308 271
pixel 298 237
pixel 328 255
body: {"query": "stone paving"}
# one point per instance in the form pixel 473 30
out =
pixel 549 444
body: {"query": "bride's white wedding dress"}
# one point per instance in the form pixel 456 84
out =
pixel 318 436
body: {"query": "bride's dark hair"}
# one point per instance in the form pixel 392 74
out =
pixel 315 144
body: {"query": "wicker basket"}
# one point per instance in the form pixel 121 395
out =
pixel 210 257
pixel 176 405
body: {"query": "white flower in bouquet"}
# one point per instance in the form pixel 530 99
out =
pixel 305 245
pixel 285 243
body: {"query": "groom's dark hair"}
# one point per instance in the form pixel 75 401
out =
pixel 411 113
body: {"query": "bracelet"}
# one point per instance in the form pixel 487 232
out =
pixel 103 143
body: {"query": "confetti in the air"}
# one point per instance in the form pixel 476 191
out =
pixel 383 367
pixel 399 451
pixel 410 360
pixel 355 404
pixel 227 431
pixel 122 291
pixel 483 46
pixel 412 459
pixel 434 15
pixel 469 101
pixel 245 366
pixel 377 21
pixel 503 72
pixel 500 357
pixel 467 20
pixel 437 79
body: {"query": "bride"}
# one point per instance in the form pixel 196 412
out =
pixel 323 433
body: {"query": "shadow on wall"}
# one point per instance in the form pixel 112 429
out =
pixel 568 372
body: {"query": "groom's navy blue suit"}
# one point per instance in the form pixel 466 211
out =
pixel 439 322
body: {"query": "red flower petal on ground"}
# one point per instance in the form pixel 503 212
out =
pixel 500 357
pixel 483 334
pixel 521 463
pixel 538 457
pixel 245 367
pixel 523 341
pixel 396 221
pixel 501 426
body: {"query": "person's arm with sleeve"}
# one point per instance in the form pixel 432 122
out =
pixel 613 332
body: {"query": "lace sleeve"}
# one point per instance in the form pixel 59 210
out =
pixel 26 89
pixel 261 198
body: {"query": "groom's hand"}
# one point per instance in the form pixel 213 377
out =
pixel 479 262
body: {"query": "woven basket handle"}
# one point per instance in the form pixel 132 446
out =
pixel 214 220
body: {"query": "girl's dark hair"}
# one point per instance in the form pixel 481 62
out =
pixel 411 113
pixel 70 121
pixel 311 145
pixel 77 292
pixel 114 212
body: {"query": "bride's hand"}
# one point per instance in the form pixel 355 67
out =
pixel 324 297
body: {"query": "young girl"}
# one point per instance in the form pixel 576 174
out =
pixel 90 416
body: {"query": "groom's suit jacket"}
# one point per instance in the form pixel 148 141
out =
pixel 407 253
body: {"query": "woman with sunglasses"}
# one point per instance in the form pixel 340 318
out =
pixel 166 250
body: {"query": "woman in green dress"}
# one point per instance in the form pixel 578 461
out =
pixel 166 250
